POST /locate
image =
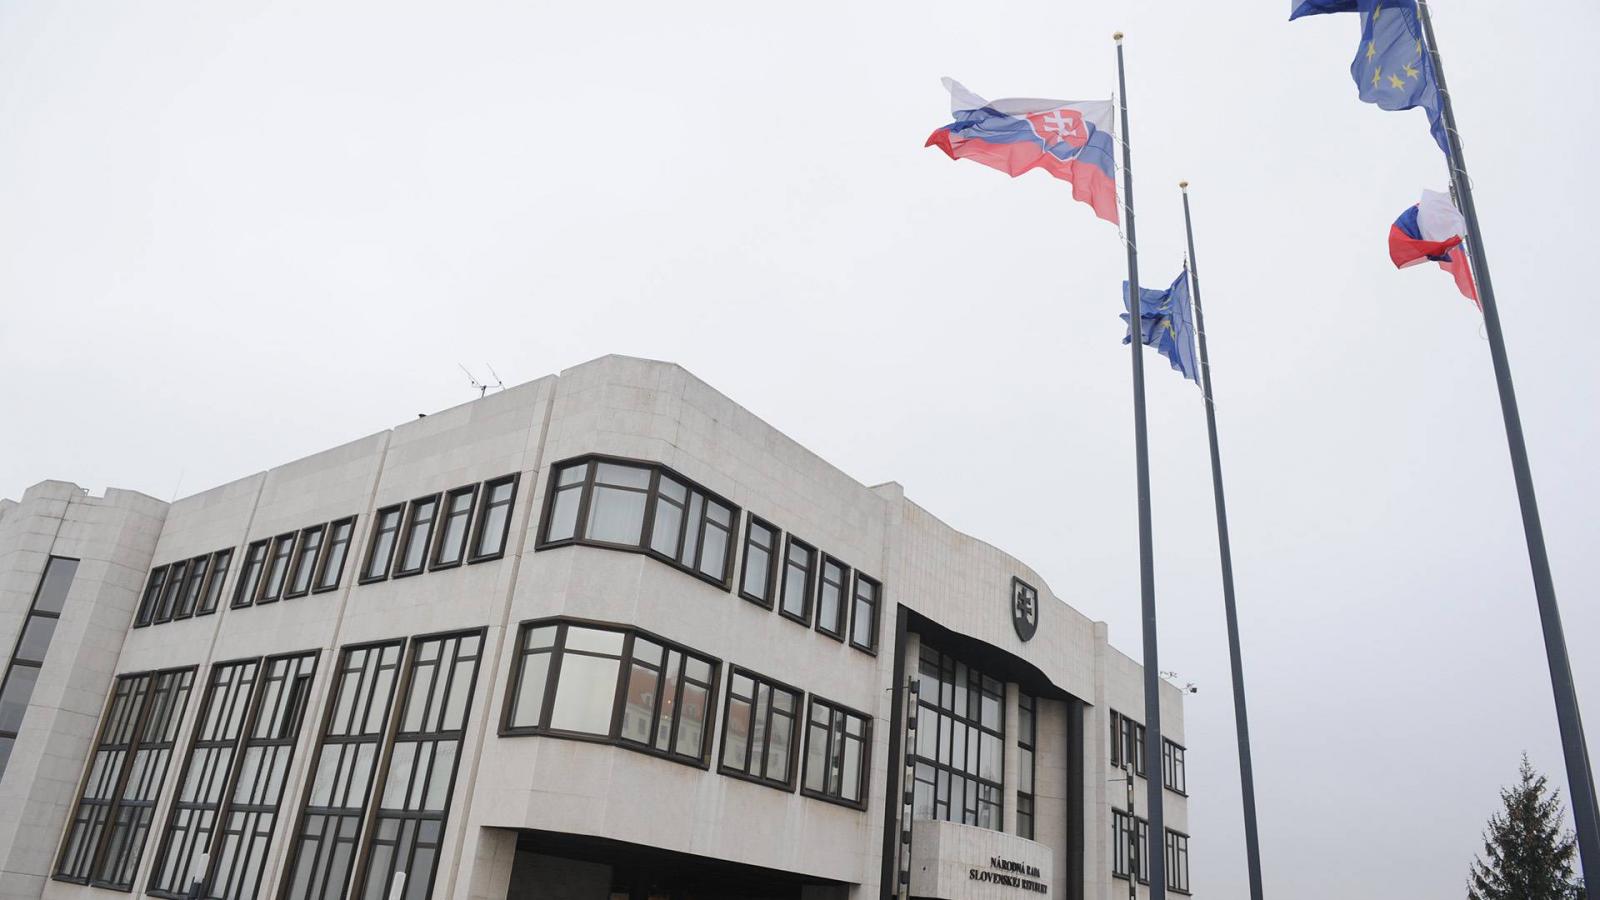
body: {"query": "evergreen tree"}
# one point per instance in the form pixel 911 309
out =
pixel 1526 855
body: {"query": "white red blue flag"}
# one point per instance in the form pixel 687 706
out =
pixel 1432 229
pixel 1069 139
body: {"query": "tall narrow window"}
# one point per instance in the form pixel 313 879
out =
pixel 194 584
pixel 1173 771
pixel 169 594
pixel 1127 743
pixel 209 765
pixel 1027 725
pixel 421 769
pixel 255 559
pixel 960 742
pixel 16 688
pixel 152 596
pixel 454 529
pixel 799 576
pixel 380 552
pixel 864 614
pixel 568 680
pixel 830 597
pixel 418 536
pixel 277 572
pixel 304 565
pixel 324 843
pixel 494 518
pixel 107 833
pixel 214 579
pixel 264 758
pixel 331 567
pixel 756 582
pixel 1177 861
pixel 759 729
pixel 1121 843
pixel 836 762
pixel 566 500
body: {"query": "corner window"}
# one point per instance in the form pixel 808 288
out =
pixel 454 528
pixel 831 612
pixel 1127 743
pixel 420 516
pixel 494 519
pixel 331 567
pixel 759 577
pixel 1172 768
pixel 255 558
pixel 152 596
pixel 169 594
pixel 380 552
pixel 864 614
pixel 625 505
pixel 836 754
pixel 27 658
pixel 194 583
pixel 759 733
pixel 214 581
pixel 615 684
pixel 799 576
pixel 277 571
pixel 305 560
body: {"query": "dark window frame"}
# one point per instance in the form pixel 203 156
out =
pixel 16 660
pixel 319 579
pixel 813 573
pixel 442 520
pixel 846 596
pixel 613 735
pixel 480 517
pixel 1176 847
pixel 297 558
pixel 408 533
pixel 216 580
pixel 250 572
pixel 945 711
pixel 1139 863
pixel 1126 731
pixel 796 746
pixel 1174 767
pixel 167 603
pixel 774 560
pixel 153 585
pixel 871 648
pixel 365 575
pixel 291 539
pixel 1027 742
pixel 193 587
pixel 864 768
pixel 652 491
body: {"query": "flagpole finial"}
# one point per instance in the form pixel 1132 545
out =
pixel 1183 186
pixel 1117 37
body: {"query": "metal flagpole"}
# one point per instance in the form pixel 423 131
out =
pixel 1241 720
pixel 1580 778
pixel 1147 577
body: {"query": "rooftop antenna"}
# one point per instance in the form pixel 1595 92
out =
pixel 482 387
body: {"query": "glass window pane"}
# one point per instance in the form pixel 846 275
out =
pixel 52 595
pixel 530 690
pixel 35 638
pixel 714 555
pixel 755 571
pixel 668 526
pixel 639 706
pixel 736 733
pixel 585 691
pixel 691 720
pixel 594 640
pixel 622 476
pixel 14 698
pixel 563 515
pixel 616 516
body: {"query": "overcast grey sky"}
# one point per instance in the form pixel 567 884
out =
pixel 232 234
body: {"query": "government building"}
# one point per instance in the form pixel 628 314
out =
pixel 603 636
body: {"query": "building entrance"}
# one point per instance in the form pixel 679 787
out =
pixel 552 866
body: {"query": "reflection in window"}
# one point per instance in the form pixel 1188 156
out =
pixel 830 597
pixel 380 552
pixel 453 530
pixel 325 840
pixel 106 834
pixel 255 558
pixel 1177 861
pixel 760 549
pixel 331 567
pixel 960 742
pixel 569 677
pixel 799 575
pixel 16 688
pixel 277 571
pixel 1173 771
pixel 758 733
pixel 415 799
pixel 215 577
pixel 640 506
pixel 169 594
pixel 305 560
pixel 418 535
pixel 194 583
pixel 836 763
pixel 864 616
pixel 494 519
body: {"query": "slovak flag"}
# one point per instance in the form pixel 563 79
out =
pixel 1070 139
pixel 1432 229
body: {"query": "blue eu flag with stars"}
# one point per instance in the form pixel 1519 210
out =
pixel 1166 323
pixel 1392 68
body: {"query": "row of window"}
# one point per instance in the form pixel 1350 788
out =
pixel 225 810
pixel 189 587
pixel 469 524
pixel 27 657
pixel 959 754
pixel 648 508
pixel 293 564
pixel 1130 835
pixel 624 686
pixel 1127 746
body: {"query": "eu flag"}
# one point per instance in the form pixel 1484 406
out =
pixel 1165 323
pixel 1392 68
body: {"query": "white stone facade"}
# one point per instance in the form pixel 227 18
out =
pixel 515 794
